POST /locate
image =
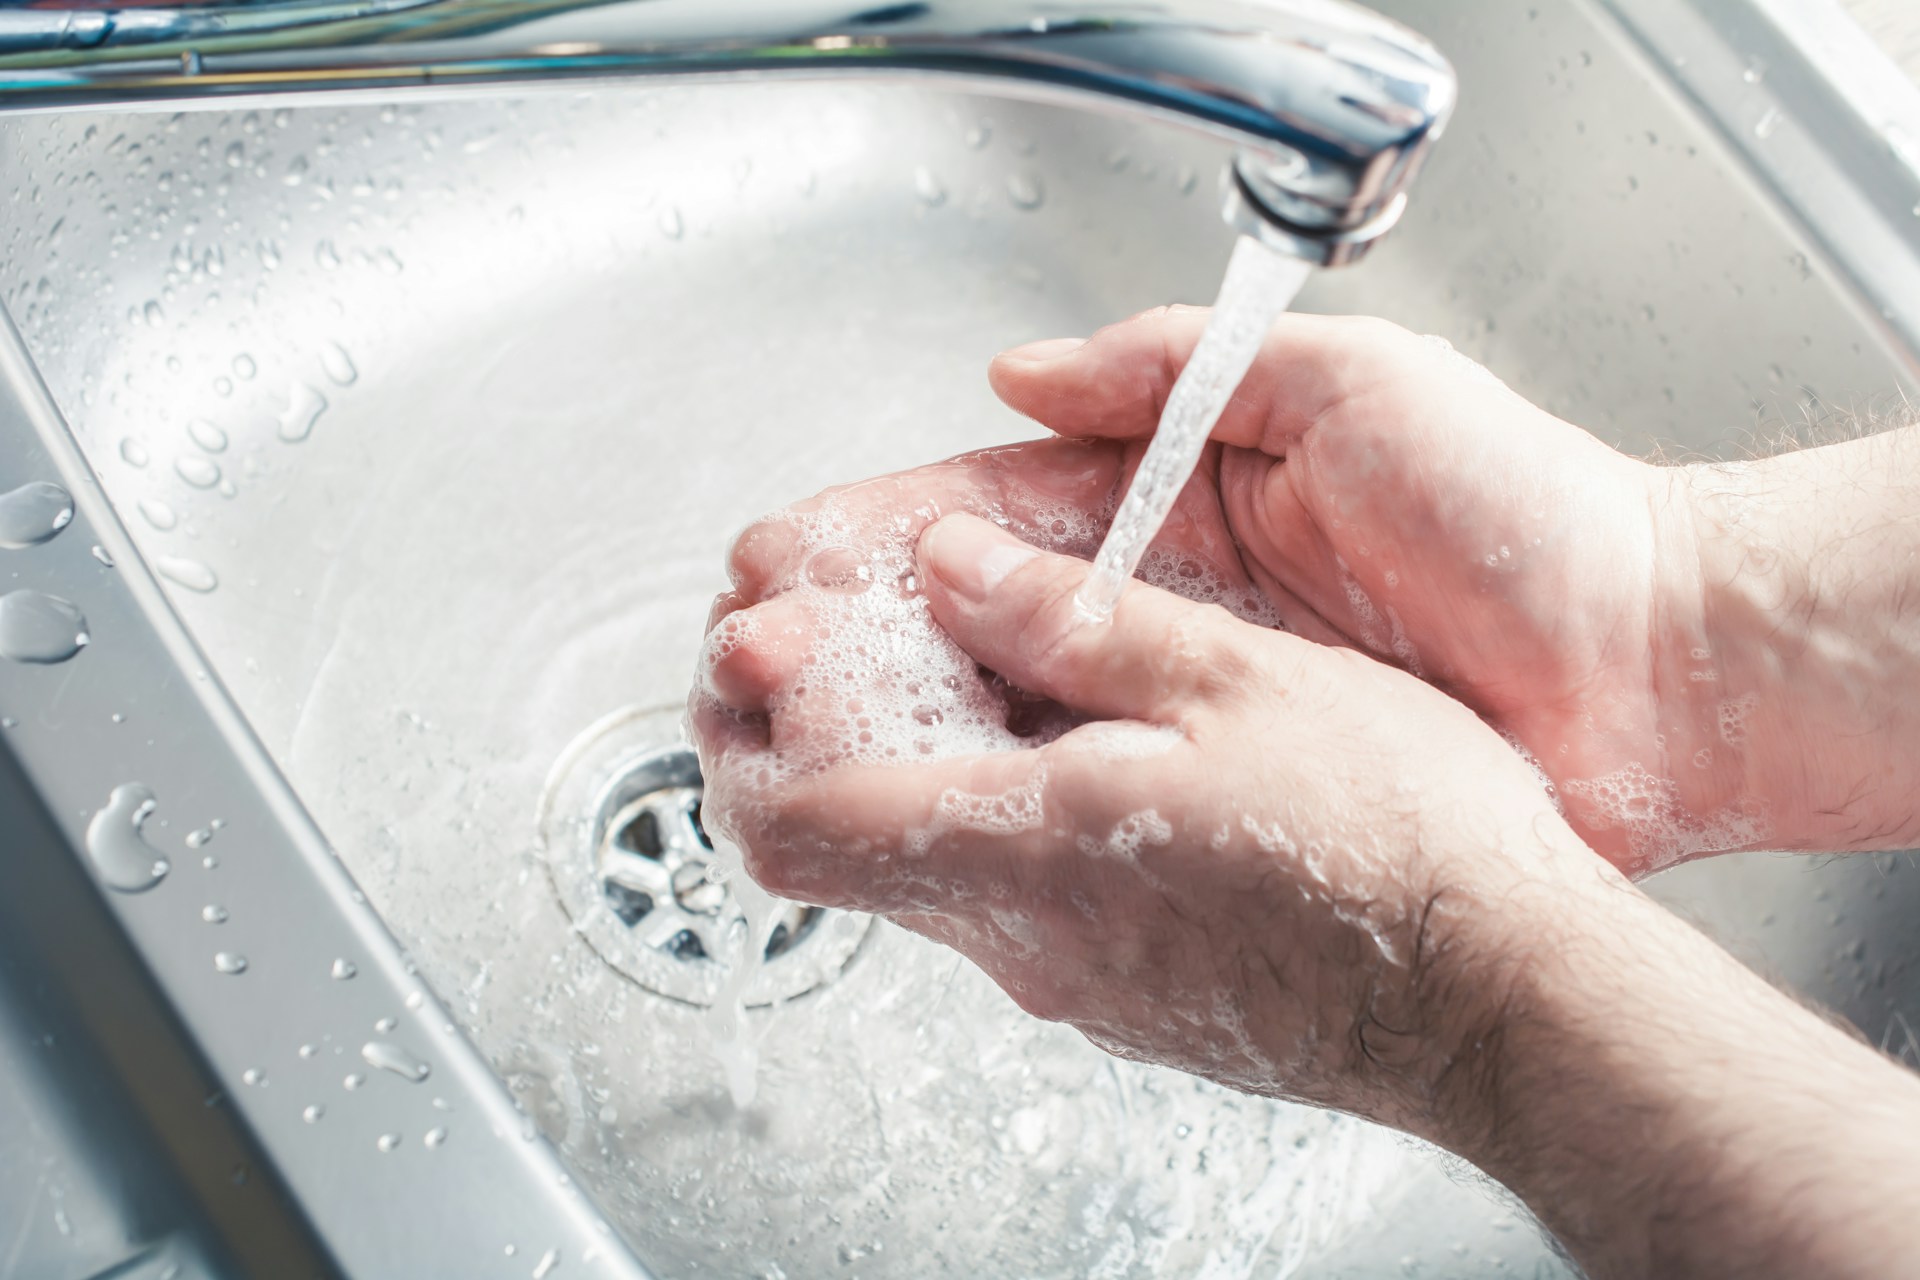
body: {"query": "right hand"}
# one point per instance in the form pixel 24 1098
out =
pixel 1388 494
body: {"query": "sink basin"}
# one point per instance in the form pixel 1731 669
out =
pixel 433 418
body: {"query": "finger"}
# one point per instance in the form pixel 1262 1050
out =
pixel 721 733
pixel 724 606
pixel 1014 609
pixel 1053 489
pixel 1116 383
pixel 753 654
pixel 898 839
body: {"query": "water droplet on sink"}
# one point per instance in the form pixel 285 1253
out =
pixel 435 1136
pixel 206 435
pixel 253 1076
pixel 191 574
pixel 213 913
pixel 386 1024
pixel 39 628
pixel 236 154
pixel 1764 127
pixel 1026 189
pixel 133 453
pixel 326 255
pixel 230 962
pixel 337 364
pixel 196 471
pixel 305 404
pixel 389 1056
pixel 980 135
pixel 927 185
pixel 100 554
pixel 343 969
pixel 672 226
pixel 548 1261
pixel 158 514
pixel 33 513
pixel 155 317
pixel 313 1113
pixel 354 1080
pixel 200 838
pixel 121 856
pixel 387 1141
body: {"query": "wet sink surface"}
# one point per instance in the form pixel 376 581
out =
pixel 436 418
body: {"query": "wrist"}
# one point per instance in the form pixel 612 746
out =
pixel 1804 569
pixel 1488 962
pixel 1665 775
pixel 1652 1101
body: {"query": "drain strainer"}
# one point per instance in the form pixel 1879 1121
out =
pixel 636 872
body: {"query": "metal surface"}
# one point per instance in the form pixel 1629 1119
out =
pixel 295 1009
pixel 119 1152
pixel 1333 107
pixel 636 874
pixel 541 356
pixel 1824 121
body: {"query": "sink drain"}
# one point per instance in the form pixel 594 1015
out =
pixel 636 873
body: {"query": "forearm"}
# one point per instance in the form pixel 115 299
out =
pixel 1666 1113
pixel 1809 691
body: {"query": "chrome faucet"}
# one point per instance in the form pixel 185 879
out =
pixel 1331 107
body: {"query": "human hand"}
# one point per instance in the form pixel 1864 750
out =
pixel 1386 493
pixel 1525 1009
pixel 1298 871
pixel 1265 861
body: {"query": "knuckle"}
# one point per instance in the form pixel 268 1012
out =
pixel 769 870
pixel 1224 667
pixel 1046 625
pixel 760 555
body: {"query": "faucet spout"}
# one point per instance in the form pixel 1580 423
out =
pixel 1332 107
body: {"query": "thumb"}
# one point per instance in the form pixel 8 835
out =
pixel 1115 384
pixel 1012 608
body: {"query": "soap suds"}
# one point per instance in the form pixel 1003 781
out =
pixel 1366 618
pixel 1733 716
pixel 1117 741
pixel 1660 829
pixel 1023 808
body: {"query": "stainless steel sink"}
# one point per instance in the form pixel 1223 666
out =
pixel 433 418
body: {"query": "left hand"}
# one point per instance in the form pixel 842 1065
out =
pixel 1284 866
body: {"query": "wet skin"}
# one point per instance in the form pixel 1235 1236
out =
pixel 1318 868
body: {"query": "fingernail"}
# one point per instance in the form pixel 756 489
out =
pixel 1040 352
pixel 971 556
